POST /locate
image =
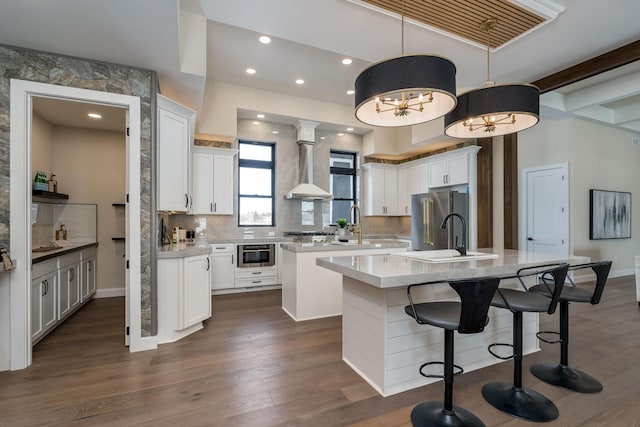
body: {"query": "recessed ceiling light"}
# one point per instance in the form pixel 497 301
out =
pixel 265 39
pixel 322 137
pixel 299 82
pixel 341 134
pixel 351 92
pixel 349 129
pixel 250 71
pixel 260 116
pixel 94 115
pixel 256 123
pixel 347 61
pixel 275 131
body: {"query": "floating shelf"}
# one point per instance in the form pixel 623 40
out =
pixel 118 205
pixel 49 194
pixel 118 239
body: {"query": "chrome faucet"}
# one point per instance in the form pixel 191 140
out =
pixel 356 227
pixel 462 249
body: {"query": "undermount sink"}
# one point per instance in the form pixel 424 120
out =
pixel 446 255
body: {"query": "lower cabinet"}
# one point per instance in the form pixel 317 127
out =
pixel 59 286
pixel 222 266
pixel 256 276
pixel 184 296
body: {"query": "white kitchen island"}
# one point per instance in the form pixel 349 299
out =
pixel 312 292
pixel 386 347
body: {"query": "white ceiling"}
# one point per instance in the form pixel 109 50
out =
pixel 310 38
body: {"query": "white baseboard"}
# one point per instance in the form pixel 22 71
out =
pixel 109 293
pixel 617 273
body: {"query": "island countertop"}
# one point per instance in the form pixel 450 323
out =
pixel 343 246
pixel 394 270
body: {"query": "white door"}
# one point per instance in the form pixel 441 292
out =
pixel 546 211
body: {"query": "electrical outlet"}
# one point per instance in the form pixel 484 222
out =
pixel 635 141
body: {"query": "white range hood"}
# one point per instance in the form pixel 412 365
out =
pixel 306 190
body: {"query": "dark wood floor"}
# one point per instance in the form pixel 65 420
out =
pixel 253 366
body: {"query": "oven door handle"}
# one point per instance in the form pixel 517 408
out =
pixel 256 250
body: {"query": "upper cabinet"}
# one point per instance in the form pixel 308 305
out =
pixel 176 131
pixel 381 189
pixel 450 169
pixel 212 181
pixel 408 184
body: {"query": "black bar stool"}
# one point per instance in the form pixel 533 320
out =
pixel 468 316
pixel 514 399
pixel 561 374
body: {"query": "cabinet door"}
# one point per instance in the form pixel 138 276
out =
pixel 202 180
pixel 173 159
pixel 222 270
pixel 88 278
pixel 195 291
pixel 374 191
pixel 222 185
pixel 49 300
pixel 438 173
pixel 458 170
pixel 407 186
pixel 37 296
pixel 68 289
pixel 390 192
pixel 423 178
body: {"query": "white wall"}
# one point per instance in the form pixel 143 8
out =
pixel 599 157
pixel 41 136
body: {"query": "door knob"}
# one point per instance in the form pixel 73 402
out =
pixel 530 238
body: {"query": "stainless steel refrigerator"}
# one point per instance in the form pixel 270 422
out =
pixel 427 212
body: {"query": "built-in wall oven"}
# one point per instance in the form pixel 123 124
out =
pixel 256 255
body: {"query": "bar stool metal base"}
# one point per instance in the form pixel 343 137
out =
pixel 433 414
pixel 566 377
pixel 520 402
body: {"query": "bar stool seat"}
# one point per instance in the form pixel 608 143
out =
pixel 467 316
pixel 515 399
pixel 561 374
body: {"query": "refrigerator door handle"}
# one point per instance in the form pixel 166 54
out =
pixel 427 220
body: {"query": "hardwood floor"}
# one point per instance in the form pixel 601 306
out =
pixel 253 366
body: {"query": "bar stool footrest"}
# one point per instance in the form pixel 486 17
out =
pixel 522 403
pixel 500 344
pixel 457 370
pixel 540 335
pixel 433 414
pixel 566 377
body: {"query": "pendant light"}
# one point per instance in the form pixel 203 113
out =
pixel 405 90
pixel 494 109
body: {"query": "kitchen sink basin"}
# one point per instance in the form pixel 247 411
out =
pixel 446 255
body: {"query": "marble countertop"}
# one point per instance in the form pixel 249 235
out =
pixel 37 257
pixel 182 250
pixel 341 246
pixel 389 271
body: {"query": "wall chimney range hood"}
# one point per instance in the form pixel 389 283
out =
pixel 306 190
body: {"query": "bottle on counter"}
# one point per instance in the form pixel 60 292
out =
pixel 175 236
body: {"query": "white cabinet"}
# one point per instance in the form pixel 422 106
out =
pixel 212 181
pixel 43 299
pixel 69 284
pixel 88 268
pixel 222 266
pixel 256 276
pixel 423 178
pixel 380 189
pixel 449 170
pixel 194 292
pixel 176 130
pixel 184 296
pixel 407 186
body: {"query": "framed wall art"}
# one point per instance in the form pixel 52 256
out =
pixel 609 215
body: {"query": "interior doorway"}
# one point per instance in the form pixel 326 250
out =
pixel 545 210
pixel 23 94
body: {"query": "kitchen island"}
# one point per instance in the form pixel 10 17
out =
pixel 386 347
pixel 310 291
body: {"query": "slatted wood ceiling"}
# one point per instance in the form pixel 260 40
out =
pixel 463 17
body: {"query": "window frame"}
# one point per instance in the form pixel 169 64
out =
pixel 258 164
pixel 334 170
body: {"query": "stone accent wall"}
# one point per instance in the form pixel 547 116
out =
pixel 26 64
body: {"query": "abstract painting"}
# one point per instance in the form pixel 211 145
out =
pixel 609 215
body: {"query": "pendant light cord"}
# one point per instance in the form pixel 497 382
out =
pixel 402 29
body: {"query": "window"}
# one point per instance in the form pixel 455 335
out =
pixel 256 183
pixel 343 183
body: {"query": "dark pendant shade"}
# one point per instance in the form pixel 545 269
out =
pixel 493 111
pixel 408 75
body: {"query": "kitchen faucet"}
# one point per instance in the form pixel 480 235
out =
pixel 356 227
pixel 462 249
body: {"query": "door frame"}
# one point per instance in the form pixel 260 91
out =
pixel 524 185
pixel 22 92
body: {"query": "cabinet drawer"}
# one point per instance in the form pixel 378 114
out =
pixel 256 281
pixel 224 247
pixel 68 259
pixel 247 273
pixel 44 267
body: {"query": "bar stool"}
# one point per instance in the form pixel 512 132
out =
pixel 514 399
pixel 561 374
pixel 468 316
